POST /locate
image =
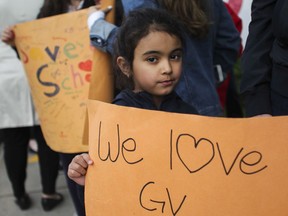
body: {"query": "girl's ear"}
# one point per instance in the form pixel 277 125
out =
pixel 124 66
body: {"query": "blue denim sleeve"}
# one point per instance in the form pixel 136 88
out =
pixel 129 5
pixel 227 38
pixel 102 33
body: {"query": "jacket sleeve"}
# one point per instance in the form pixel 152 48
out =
pixel 256 63
pixel 102 33
pixel 129 5
pixel 227 41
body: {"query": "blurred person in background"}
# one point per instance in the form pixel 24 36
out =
pixel 18 115
pixel 265 60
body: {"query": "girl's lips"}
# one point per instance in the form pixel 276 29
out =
pixel 167 82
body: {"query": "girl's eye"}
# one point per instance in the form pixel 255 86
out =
pixel 176 57
pixel 152 59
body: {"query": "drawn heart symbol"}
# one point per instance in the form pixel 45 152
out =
pixel 193 154
pixel 86 65
pixel 88 77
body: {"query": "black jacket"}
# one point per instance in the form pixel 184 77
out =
pixel 143 100
pixel 280 25
pixel 265 58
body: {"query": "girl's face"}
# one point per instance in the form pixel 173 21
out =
pixel 157 64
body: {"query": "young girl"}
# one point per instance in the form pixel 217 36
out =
pixel 148 61
pixel 210 39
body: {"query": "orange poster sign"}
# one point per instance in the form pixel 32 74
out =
pixel 159 163
pixel 60 66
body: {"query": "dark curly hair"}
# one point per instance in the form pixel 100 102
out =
pixel 194 14
pixel 138 24
pixel 56 7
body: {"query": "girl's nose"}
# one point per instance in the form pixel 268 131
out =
pixel 166 67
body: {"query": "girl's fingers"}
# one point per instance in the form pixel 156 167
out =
pixel 106 10
pixel 75 170
pixel 93 9
pixel 87 158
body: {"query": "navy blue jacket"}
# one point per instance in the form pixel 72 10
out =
pixel 143 100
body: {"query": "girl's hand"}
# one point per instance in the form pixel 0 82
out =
pixel 97 8
pixel 78 168
pixel 8 36
pixel 93 9
pixel 94 14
